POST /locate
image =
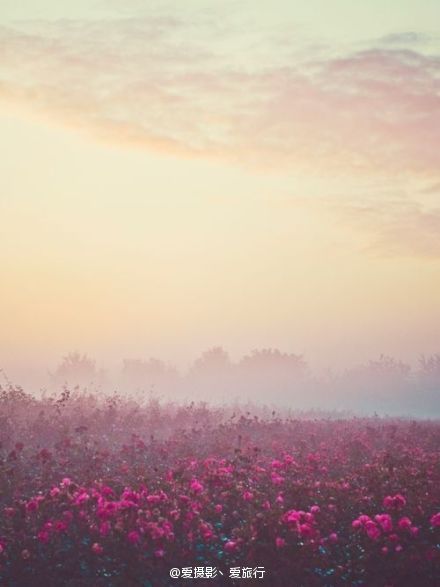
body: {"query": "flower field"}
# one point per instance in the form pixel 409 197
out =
pixel 108 492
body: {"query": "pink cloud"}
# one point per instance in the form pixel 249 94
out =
pixel 143 82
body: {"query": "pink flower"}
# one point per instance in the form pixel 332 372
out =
pixel 230 546
pixel 54 491
pixel 66 482
pixel 404 523
pixel 333 537
pixel 134 537
pixel 32 505
pixel 292 516
pixel 60 526
pixel 396 501
pixel 196 486
pixel 280 542
pixel 384 521
pixel 159 553
pixel 82 498
pixel 43 536
pixel 248 496
pixel 315 509
pixel 218 508
pixel 435 520
pixel 305 530
pixel 104 528
pixel 106 491
pixel 372 530
pixel 97 548
pixel 276 479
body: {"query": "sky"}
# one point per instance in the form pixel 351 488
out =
pixel 177 175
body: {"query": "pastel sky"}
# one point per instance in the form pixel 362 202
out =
pixel 176 175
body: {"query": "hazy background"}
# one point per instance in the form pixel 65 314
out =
pixel 249 174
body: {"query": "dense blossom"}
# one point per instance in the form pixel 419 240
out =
pixel 108 494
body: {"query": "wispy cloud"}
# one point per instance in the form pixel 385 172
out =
pixel 144 82
pixel 395 227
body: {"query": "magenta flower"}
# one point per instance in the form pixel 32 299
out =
pixel 196 486
pixel 134 537
pixel 43 536
pixel 104 528
pixel 305 530
pixel 396 501
pixel 248 496
pixel 230 546
pixel 32 505
pixel 372 530
pixel 292 516
pixel 97 548
pixel 60 526
pixel 385 522
pixel 404 523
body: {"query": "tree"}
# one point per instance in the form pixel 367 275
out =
pixel 76 369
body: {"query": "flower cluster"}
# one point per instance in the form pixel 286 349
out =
pixel 118 494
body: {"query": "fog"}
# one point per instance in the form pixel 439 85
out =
pixel 263 377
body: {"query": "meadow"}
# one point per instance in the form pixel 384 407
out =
pixel 107 491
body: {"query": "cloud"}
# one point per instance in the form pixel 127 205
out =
pixel 407 38
pixel 396 227
pixel 162 83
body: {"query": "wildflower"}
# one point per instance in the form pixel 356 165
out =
pixel 43 536
pixel 396 501
pixel 248 496
pixel 230 546
pixel 134 537
pixel 305 530
pixel 60 526
pixel 32 505
pixel 404 523
pixel 384 521
pixel 97 548
pixel 196 486
pixel 292 516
